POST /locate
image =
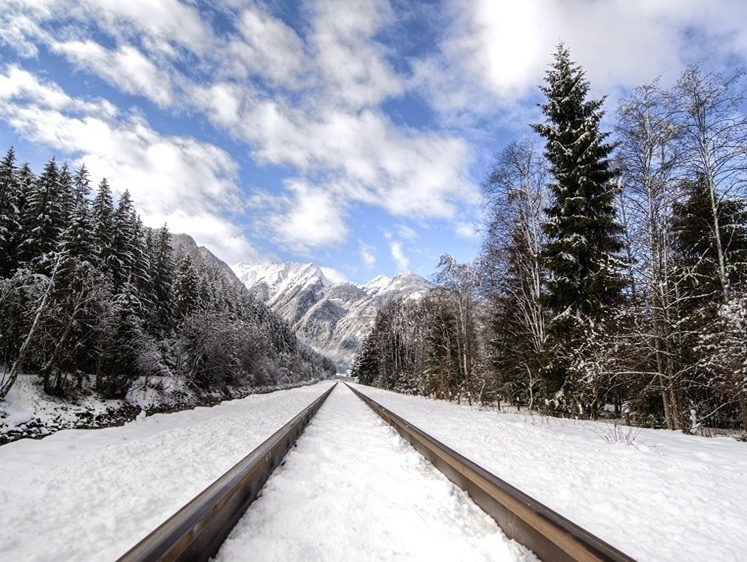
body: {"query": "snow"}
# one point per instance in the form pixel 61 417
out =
pixel 352 489
pixel 654 494
pixel 92 494
pixel 26 403
pixel 330 316
pixel 378 283
pixel 280 277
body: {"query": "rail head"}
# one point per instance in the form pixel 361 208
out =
pixel 197 530
pixel 542 530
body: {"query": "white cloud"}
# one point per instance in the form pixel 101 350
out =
pixel 127 68
pixel 175 179
pixel 315 109
pixel 466 230
pixel 398 256
pixel 496 51
pixel 367 254
pixel 310 218
pixel 161 25
pixel 266 46
pixel 19 26
pixel 352 67
pixel 364 158
pixel 406 232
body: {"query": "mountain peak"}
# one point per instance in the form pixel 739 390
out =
pixel 327 316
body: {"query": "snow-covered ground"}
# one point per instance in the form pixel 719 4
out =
pixel 654 494
pixel 352 489
pixel 91 495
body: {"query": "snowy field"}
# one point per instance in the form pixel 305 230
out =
pixel 663 496
pixel 352 489
pixel 91 495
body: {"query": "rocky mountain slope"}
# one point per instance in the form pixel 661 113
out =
pixel 332 317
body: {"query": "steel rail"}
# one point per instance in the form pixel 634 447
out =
pixel 198 529
pixel 545 532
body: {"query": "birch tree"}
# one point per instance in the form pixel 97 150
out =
pixel 510 262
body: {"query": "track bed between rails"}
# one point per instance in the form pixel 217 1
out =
pixel 352 489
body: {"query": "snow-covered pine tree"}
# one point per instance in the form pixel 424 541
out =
pixel 81 187
pixel 130 257
pixel 698 245
pixel 9 212
pixel 79 297
pixel 582 251
pixel 699 252
pixel 162 274
pixel 186 292
pixel 45 217
pixel 102 214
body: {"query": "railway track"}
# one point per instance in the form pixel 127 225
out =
pixel 197 531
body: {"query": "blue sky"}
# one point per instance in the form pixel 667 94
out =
pixel 354 134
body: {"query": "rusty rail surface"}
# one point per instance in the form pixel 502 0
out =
pixel 545 532
pixel 198 529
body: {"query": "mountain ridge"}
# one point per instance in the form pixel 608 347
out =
pixel 332 317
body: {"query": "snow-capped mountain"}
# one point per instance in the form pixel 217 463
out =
pixel 330 315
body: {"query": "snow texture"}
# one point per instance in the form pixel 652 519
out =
pixel 353 489
pixel 332 317
pixel 656 495
pixel 93 494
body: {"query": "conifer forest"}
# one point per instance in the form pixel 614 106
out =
pixel 612 278
pixel 91 298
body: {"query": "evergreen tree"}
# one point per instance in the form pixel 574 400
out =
pixel 581 255
pixel 45 217
pixel 102 214
pixel 81 187
pixel 366 366
pixel 9 212
pixel 130 262
pixel 697 244
pixel 162 278
pixel 186 289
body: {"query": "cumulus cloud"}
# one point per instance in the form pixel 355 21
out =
pixel 496 51
pixel 268 47
pixel 309 218
pixel 352 67
pixel 315 107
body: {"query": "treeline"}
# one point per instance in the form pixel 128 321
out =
pixel 613 273
pixel 86 291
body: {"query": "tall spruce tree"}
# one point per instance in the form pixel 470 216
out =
pixel 102 215
pixel 162 272
pixel 9 213
pixel 583 246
